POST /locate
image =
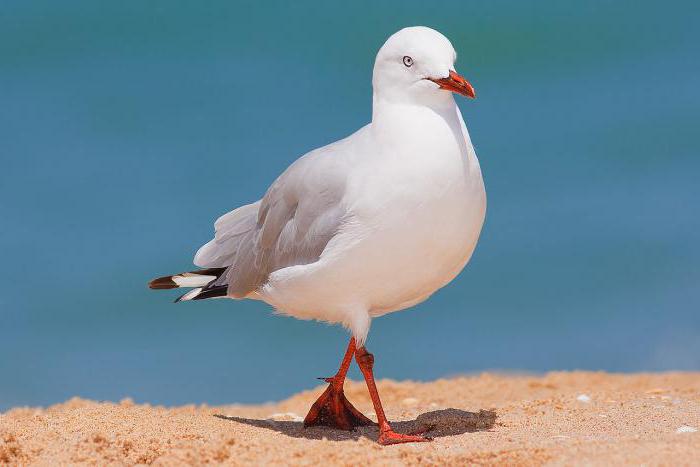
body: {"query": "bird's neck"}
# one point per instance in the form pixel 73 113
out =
pixel 409 120
pixel 384 107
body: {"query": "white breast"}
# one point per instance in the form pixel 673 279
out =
pixel 425 228
pixel 414 216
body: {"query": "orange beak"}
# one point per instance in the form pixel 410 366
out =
pixel 455 83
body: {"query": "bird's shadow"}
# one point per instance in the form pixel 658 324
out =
pixel 436 424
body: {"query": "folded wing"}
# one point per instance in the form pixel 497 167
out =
pixel 291 225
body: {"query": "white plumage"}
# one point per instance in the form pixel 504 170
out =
pixel 373 223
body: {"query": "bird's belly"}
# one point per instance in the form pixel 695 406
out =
pixel 416 252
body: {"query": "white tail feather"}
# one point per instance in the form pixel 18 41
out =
pixel 189 279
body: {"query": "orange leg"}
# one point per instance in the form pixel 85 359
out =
pixel 332 408
pixel 386 435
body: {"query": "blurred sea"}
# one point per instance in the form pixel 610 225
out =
pixel 127 127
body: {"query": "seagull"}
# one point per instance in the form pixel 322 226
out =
pixel 368 225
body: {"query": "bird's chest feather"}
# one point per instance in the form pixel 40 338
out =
pixel 417 233
pixel 426 177
pixel 422 202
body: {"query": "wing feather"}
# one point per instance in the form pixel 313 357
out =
pixel 300 213
pixel 229 230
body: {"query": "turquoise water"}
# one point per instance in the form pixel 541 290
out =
pixel 127 128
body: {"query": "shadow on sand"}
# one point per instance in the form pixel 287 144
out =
pixel 436 424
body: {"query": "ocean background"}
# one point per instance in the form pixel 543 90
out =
pixel 127 127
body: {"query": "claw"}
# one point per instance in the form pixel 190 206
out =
pixel 333 409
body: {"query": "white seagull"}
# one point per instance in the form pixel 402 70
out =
pixel 368 225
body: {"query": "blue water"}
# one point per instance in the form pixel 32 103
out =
pixel 126 128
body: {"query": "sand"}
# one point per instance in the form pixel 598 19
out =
pixel 576 418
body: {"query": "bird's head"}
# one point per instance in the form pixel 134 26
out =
pixel 416 65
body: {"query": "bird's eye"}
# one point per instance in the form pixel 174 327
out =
pixel 408 61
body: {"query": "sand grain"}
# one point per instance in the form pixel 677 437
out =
pixel 486 420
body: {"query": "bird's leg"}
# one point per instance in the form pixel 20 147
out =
pixel 386 434
pixel 332 408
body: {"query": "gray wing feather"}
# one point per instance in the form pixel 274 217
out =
pixel 230 229
pixel 291 225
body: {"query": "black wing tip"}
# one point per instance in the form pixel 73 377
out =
pixel 165 282
pixel 214 292
pixel 202 294
pixel 180 298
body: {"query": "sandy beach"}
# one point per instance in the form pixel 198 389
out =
pixel 567 418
